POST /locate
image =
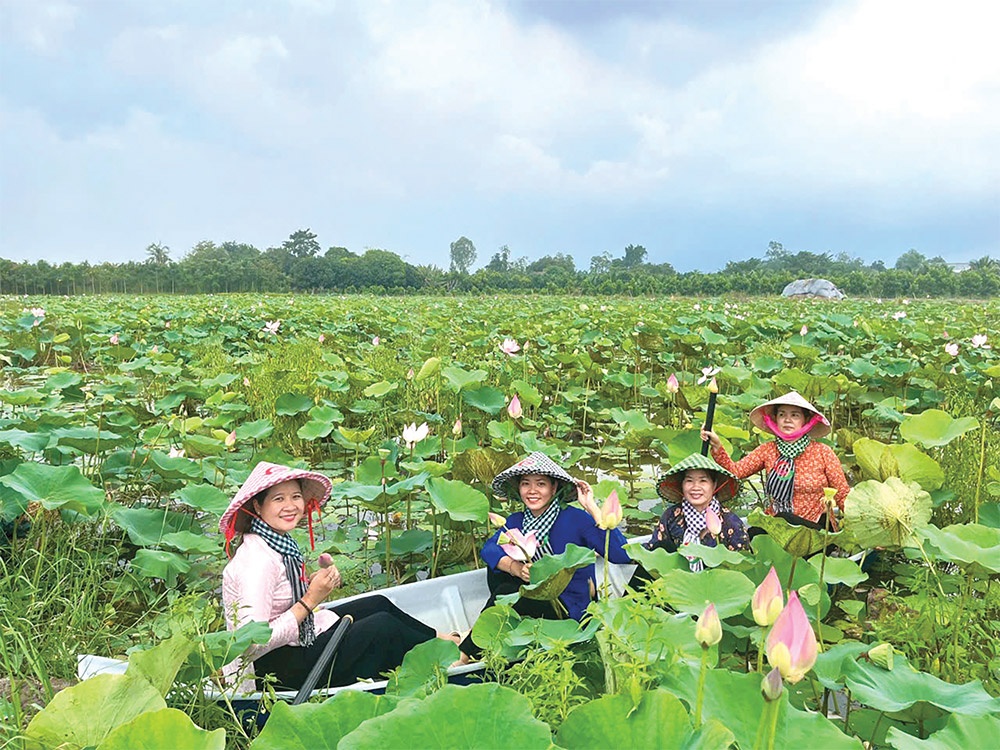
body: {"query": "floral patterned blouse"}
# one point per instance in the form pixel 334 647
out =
pixel 669 532
pixel 816 468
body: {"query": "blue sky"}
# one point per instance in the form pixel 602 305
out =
pixel 701 129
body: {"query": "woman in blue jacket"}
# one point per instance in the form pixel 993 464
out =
pixel 545 488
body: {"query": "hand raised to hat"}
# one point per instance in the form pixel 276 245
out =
pixel 585 494
pixel 712 438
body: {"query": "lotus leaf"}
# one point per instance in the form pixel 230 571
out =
pixel 474 716
pixel 528 394
pixel 31 442
pixel 166 729
pixel 408 542
pixel 314 429
pixel 424 667
pixel 459 379
pixel 204 497
pixel 798 541
pixel 729 590
pixel 839 570
pixel 146 526
pixel 460 501
pixel 960 732
pixel 881 461
pixel 657 561
pixel 933 428
pixel 485 398
pixel 549 633
pixel 197 446
pixel 256 430
pixel 966 544
pixel 186 541
pixel 659 720
pixel 55 487
pixel 886 514
pixel 430 367
pixel 84 714
pixel 160 564
pixel 160 664
pixel 321 726
pixel 290 404
pixel 379 389
pixel 989 515
pixel 178 468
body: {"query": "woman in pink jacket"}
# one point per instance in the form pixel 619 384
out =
pixel 266 581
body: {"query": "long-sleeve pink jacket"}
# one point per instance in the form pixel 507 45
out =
pixel 255 589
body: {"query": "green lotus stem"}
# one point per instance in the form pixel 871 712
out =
pixel 760 651
pixel 791 574
pixel 979 476
pixel 699 701
pixel 822 572
pixel 847 714
pixel 772 729
pixel 605 584
pixel 881 715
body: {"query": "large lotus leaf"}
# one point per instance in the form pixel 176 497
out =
pixel 903 687
pixel 657 561
pixel 407 485
pixel 221 647
pixel 493 627
pixel 315 429
pixel 187 541
pixel 839 570
pixel 551 574
pixel 961 732
pixel 379 389
pixel 160 664
pixel 481 464
pixel 82 715
pixel 965 544
pixel 458 378
pixel 934 428
pixel 729 590
pixel 290 404
pixel 485 398
pixel 198 446
pixel 798 541
pixel 886 514
pixel 256 430
pixel 61 380
pixel 881 461
pixel 88 439
pixel 166 729
pixel 474 716
pixel 31 442
pixel 989 515
pixel 55 487
pixel 146 526
pixel 715 556
pixel 460 501
pixel 204 497
pixel 432 366
pixel 831 663
pixel 424 667
pixel 735 700
pixel 659 720
pixel 177 468
pixel 321 726
pixel 156 563
pixel 407 543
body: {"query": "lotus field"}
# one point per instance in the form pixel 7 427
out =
pixel 126 424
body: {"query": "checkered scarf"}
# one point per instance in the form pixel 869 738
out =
pixel 780 481
pixel 295 571
pixel 541 525
pixel 694 525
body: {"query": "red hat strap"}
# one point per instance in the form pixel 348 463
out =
pixel 231 528
pixel 312 505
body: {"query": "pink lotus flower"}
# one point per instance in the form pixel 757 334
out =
pixel 322 338
pixel 707 373
pixel 410 374
pixel 246 382
pixel 510 347
pixel 456 429
pixel 672 385
pixel 611 512
pixel 951 349
pixel 413 434
pixel 768 600
pixel 376 341
pixel 38 312
pixel 231 439
pixel 497 520
pixel 514 408
pixel 708 629
pixel 521 547
pixel 899 315
pixel 803 331
pixel 272 326
pixel 113 339
pixel 713 522
pixel 979 340
pixel 791 644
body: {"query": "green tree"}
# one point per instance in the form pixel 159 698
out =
pixel 301 244
pixel 463 255
pixel 911 260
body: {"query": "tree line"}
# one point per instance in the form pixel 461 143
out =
pixel 301 265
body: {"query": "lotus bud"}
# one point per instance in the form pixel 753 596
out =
pixel 383 454
pixel 325 560
pixel 114 339
pixel 376 341
pixel 611 512
pixel 231 439
pixel 881 655
pixel 772 685
pixel 713 387
pixel 768 600
pixel 410 374
pixel 322 338
pixel 456 430
pixel 829 497
pixel 791 644
pixel 708 630
pixel 713 522
pixel 672 385
pixel 497 520
pixel 514 408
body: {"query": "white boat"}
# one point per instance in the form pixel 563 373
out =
pixel 449 603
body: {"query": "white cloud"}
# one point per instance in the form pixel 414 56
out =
pixel 39 24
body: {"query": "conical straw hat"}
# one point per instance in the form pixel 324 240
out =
pixel 668 486
pixel 820 429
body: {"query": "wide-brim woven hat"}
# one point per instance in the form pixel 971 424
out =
pixel 505 483
pixel 668 486
pixel 820 429
pixel 315 489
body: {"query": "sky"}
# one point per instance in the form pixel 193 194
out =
pixel 699 129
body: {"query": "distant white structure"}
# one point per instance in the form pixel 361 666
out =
pixel 813 288
pixel 959 267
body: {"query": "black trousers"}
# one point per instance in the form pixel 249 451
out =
pixel 376 642
pixel 501 583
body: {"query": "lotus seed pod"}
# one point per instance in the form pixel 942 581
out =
pixel 325 560
pixel 881 655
